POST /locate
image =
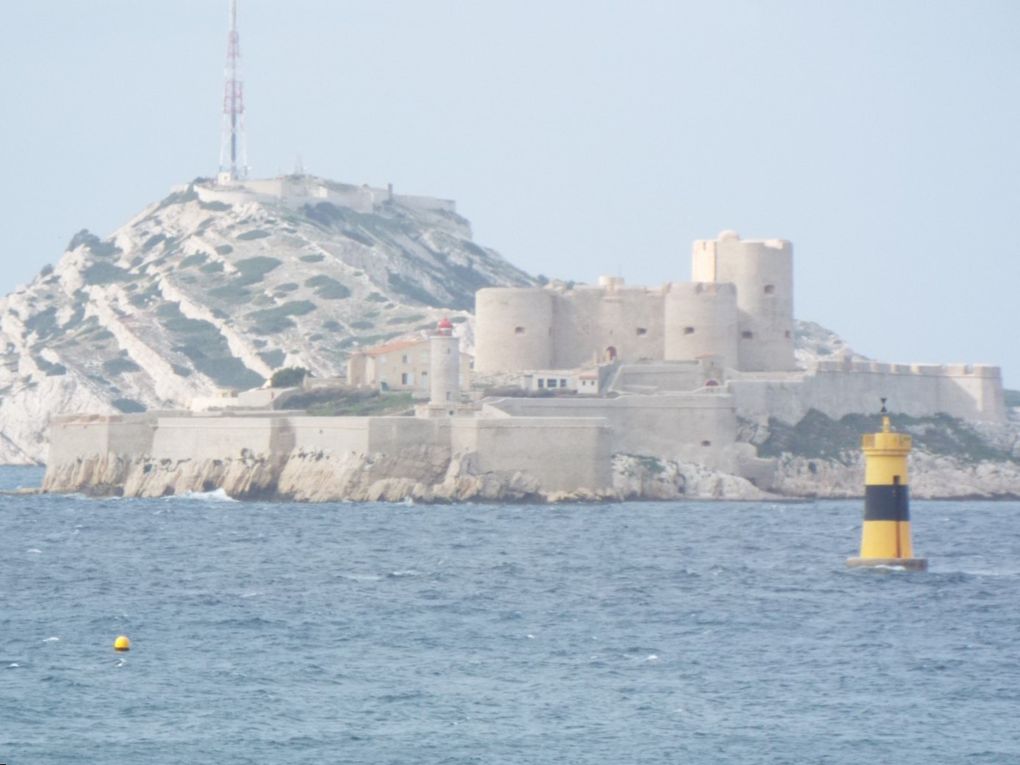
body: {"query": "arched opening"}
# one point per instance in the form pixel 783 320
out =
pixel 611 353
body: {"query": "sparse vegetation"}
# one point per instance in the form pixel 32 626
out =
pixel 817 435
pixel 252 270
pixel 248 236
pixel 269 321
pixel 288 377
pixel 350 402
pixel 409 289
pixel 128 405
pixel 328 288
pixel 206 348
pixel 313 258
pixel 93 244
pixel 273 358
pixel 104 273
pixel 194 260
pixel 51 369
pixel 120 365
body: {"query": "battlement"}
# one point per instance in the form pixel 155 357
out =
pixel 977 371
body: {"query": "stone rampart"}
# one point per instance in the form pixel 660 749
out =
pixel 839 388
pixel 562 454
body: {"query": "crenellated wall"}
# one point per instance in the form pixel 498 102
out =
pixel 839 388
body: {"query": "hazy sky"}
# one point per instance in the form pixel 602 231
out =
pixel 579 137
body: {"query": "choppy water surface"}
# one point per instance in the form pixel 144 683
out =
pixel 634 633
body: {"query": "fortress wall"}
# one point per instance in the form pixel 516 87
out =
pixel 576 335
pixel 338 435
pixel 701 319
pixel 81 436
pixel 677 376
pixel 649 425
pixel 841 388
pixel 424 203
pixel 630 319
pixel 977 389
pixel 391 435
pixel 561 454
pixel 196 438
pixel 513 329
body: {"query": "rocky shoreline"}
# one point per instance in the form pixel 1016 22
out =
pixel 430 476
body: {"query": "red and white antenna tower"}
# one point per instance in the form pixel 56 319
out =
pixel 233 151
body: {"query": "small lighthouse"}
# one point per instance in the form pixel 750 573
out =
pixel 444 369
pixel 885 536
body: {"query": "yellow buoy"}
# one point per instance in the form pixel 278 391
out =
pixel 885 535
pixel 122 643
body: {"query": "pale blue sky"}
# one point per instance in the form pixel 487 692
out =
pixel 580 137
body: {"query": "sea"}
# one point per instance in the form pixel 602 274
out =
pixel 657 632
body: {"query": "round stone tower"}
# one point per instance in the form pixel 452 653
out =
pixel 513 329
pixel 444 367
pixel 762 272
pixel 701 320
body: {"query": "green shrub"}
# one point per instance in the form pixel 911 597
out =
pixel 104 273
pixel 194 260
pixel 128 405
pixel 273 358
pixel 253 269
pixel 288 377
pixel 120 365
pixel 328 288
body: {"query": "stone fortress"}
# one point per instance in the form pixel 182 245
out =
pixel 670 373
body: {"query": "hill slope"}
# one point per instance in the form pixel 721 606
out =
pixel 194 295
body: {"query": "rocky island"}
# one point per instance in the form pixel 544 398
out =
pixel 437 371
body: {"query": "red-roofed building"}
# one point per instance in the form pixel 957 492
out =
pixel 399 364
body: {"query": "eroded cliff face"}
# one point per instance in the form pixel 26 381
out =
pixel 425 474
pixel 194 296
pixel 932 476
pixel 422 474
pixel 430 474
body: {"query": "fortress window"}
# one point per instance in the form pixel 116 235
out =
pixel 404 358
pixel 541 383
pixel 518 330
pixel 550 383
pixel 706 443
pixel 563 383
pixel 770 289
pixel 642 331
pixel 747 334
pixel 688 330
pixel 787 334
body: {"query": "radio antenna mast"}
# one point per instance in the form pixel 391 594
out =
pixel 233 151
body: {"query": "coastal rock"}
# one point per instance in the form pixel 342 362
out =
pixel 931 477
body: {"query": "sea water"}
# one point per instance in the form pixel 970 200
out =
pixel 675 632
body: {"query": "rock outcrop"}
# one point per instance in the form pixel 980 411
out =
pixel 932 476
pixel 195 295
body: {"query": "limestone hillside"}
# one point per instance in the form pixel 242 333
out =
pixel 191 297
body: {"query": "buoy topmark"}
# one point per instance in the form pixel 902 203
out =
pixel 885 536
pixel 122 643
